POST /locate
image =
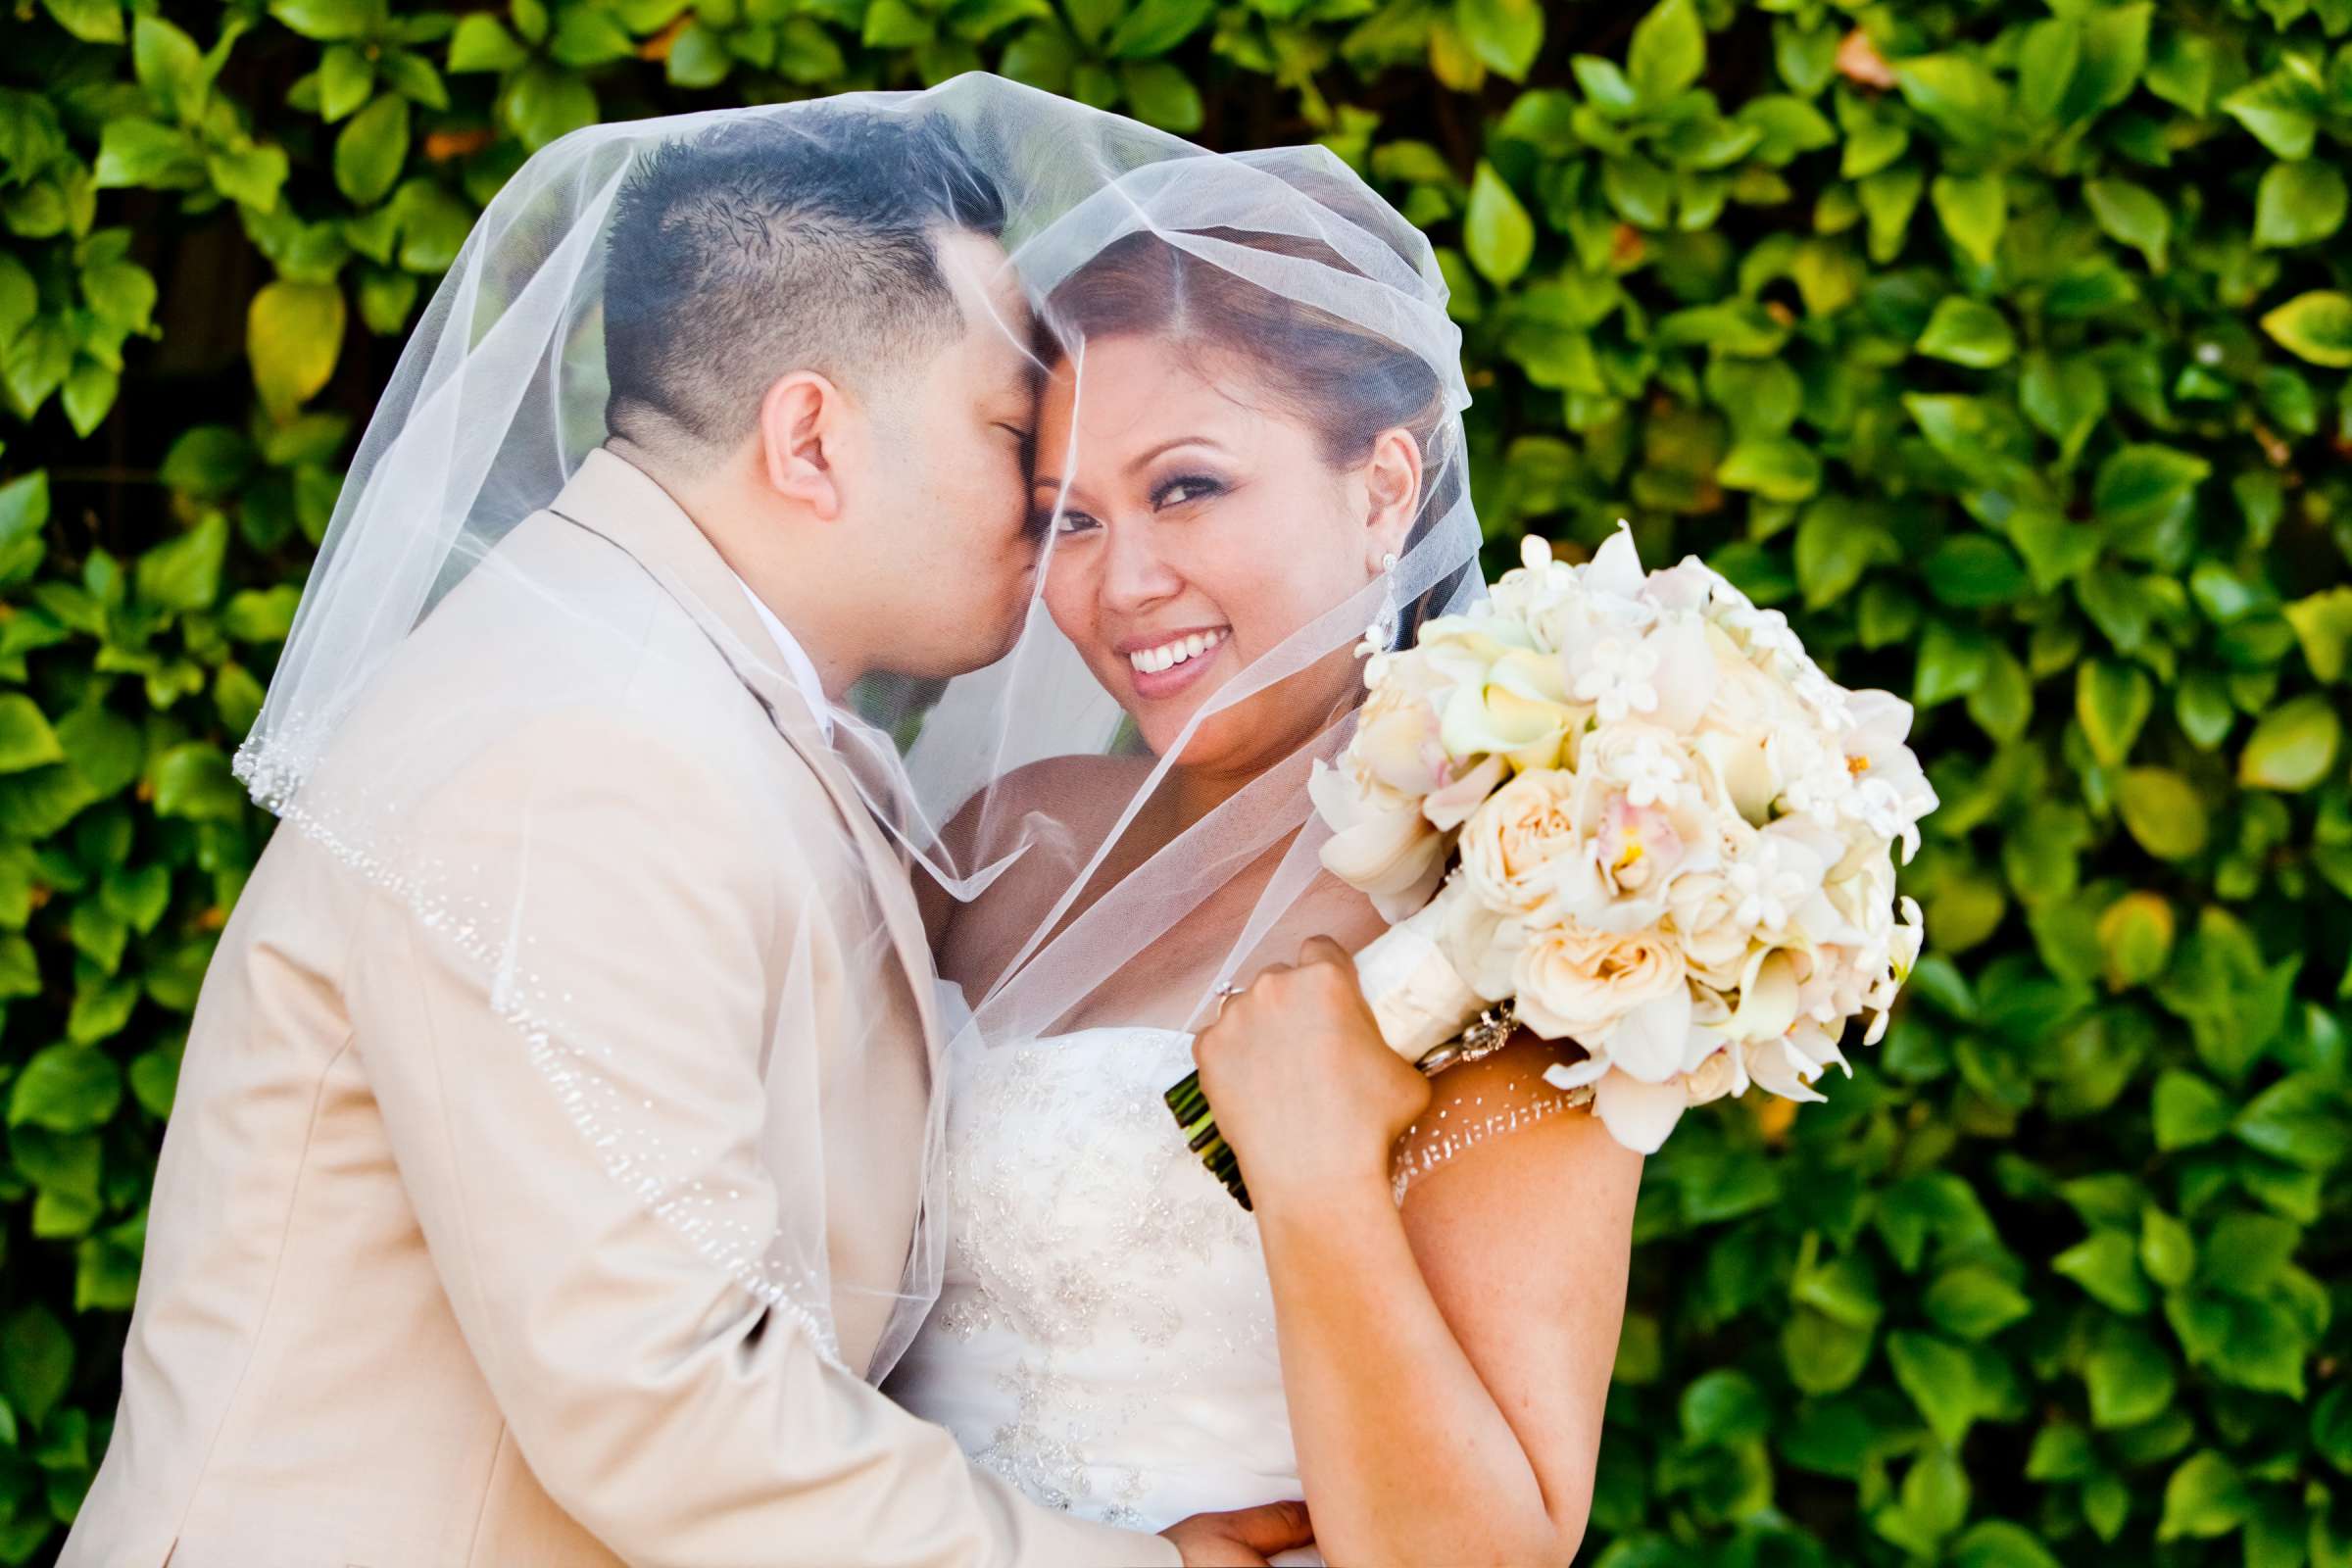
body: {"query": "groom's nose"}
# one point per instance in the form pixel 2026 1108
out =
pixel 1135 572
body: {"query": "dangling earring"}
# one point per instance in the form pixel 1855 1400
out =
pixel 1381 635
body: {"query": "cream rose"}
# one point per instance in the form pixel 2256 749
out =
pixel 1514 844
pixel 1580 985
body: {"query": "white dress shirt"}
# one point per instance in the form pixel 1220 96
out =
pixel 796 660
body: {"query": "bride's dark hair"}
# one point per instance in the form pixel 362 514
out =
pixel 1348 384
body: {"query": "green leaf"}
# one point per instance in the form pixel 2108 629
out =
pixel 1964 99
pixel 585 37
pixel 2114 51
pixel 1822 1354
pixel 1968 333
pixel 1837 541
pixel 482 42
pixel 370 150
pixel 1496 231
pixel 346 80
pixel 2188 1110
pixel 2168 1253
pixel 2130 1378
pixel 2066 398
pixel 2293 746
pixel 2140 486
pixel 1941 1381
pixel 698 58
pixel 250 177
pixel 2281 111
pixel 2322 623
pixel 2332 1427
pixel 207 461
pixel 184 573
pixel 328 19
pixel 1974 209
pixel 2164 812
pixel 2302 1119
pixel 2316 327
pixel 37 1363
pixel 143 152
pixel 293 334
pixel 1974 1303
pixel 25 738
pixel 1777 470
pixel 544 101
pixel 66 1089
pixel 2106 1264
pixel 168 64
pixel 90 21
pixel 1504 34
pixel 2205 1497
pixel 2133 216
pixel 1723 1407
pixel 1162 95
pixel 107 751
pixel 2112 701
pixel 1973 570
pixel 1669 51
pixel 1998 1543
pixel 2299 203
pixel 194 781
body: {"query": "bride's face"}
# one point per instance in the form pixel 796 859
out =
pixel 1197 525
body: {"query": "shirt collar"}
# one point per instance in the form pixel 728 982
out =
pixel 796 660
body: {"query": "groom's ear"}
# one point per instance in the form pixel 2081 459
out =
pixel 801 431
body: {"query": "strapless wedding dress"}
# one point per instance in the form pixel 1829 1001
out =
pixel 1104 1332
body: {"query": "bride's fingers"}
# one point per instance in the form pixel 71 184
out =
pixel 1273 1527
pixel 1322 949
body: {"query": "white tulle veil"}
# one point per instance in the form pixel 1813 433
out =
pixel 499 398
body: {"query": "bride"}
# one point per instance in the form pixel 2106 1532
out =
pixel 1249 449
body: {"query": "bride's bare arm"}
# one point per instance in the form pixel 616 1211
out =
pixel 1445 1366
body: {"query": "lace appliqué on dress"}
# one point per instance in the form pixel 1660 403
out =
pixel 1079 1223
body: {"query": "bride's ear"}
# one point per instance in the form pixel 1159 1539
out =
pixel 800 427
pixel 1392 486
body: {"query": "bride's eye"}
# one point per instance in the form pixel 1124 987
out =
pixel 1066 522
pixel 1184 488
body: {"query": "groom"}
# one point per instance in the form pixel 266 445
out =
pixel 396 1313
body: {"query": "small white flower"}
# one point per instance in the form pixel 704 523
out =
pixel 1616 680
pixel 1770 885
pixel 1652 774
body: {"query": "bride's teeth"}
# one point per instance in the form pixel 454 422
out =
pixel 1151 660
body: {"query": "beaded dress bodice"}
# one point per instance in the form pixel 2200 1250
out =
pixel 1104 1332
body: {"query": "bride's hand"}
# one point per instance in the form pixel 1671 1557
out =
pixel 1302 1086
pixel 1242 1539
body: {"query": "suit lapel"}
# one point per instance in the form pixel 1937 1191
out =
pixel 619 502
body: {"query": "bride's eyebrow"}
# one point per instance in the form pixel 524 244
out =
pixel 1137 463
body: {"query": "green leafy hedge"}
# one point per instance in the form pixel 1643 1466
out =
pixel 2002 346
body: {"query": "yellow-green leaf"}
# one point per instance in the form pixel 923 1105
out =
pixel 2293 746
pixel 293 334
pixel 2316 327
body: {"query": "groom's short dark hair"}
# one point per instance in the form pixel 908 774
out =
pixel 805 239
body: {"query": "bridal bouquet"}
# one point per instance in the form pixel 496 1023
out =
pixel 1651 825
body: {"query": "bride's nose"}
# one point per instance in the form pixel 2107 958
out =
pixel 1136 573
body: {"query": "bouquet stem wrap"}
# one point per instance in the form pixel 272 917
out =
pixel 1417 997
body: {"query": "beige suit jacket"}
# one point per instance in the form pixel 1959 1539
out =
pixel 394 1313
